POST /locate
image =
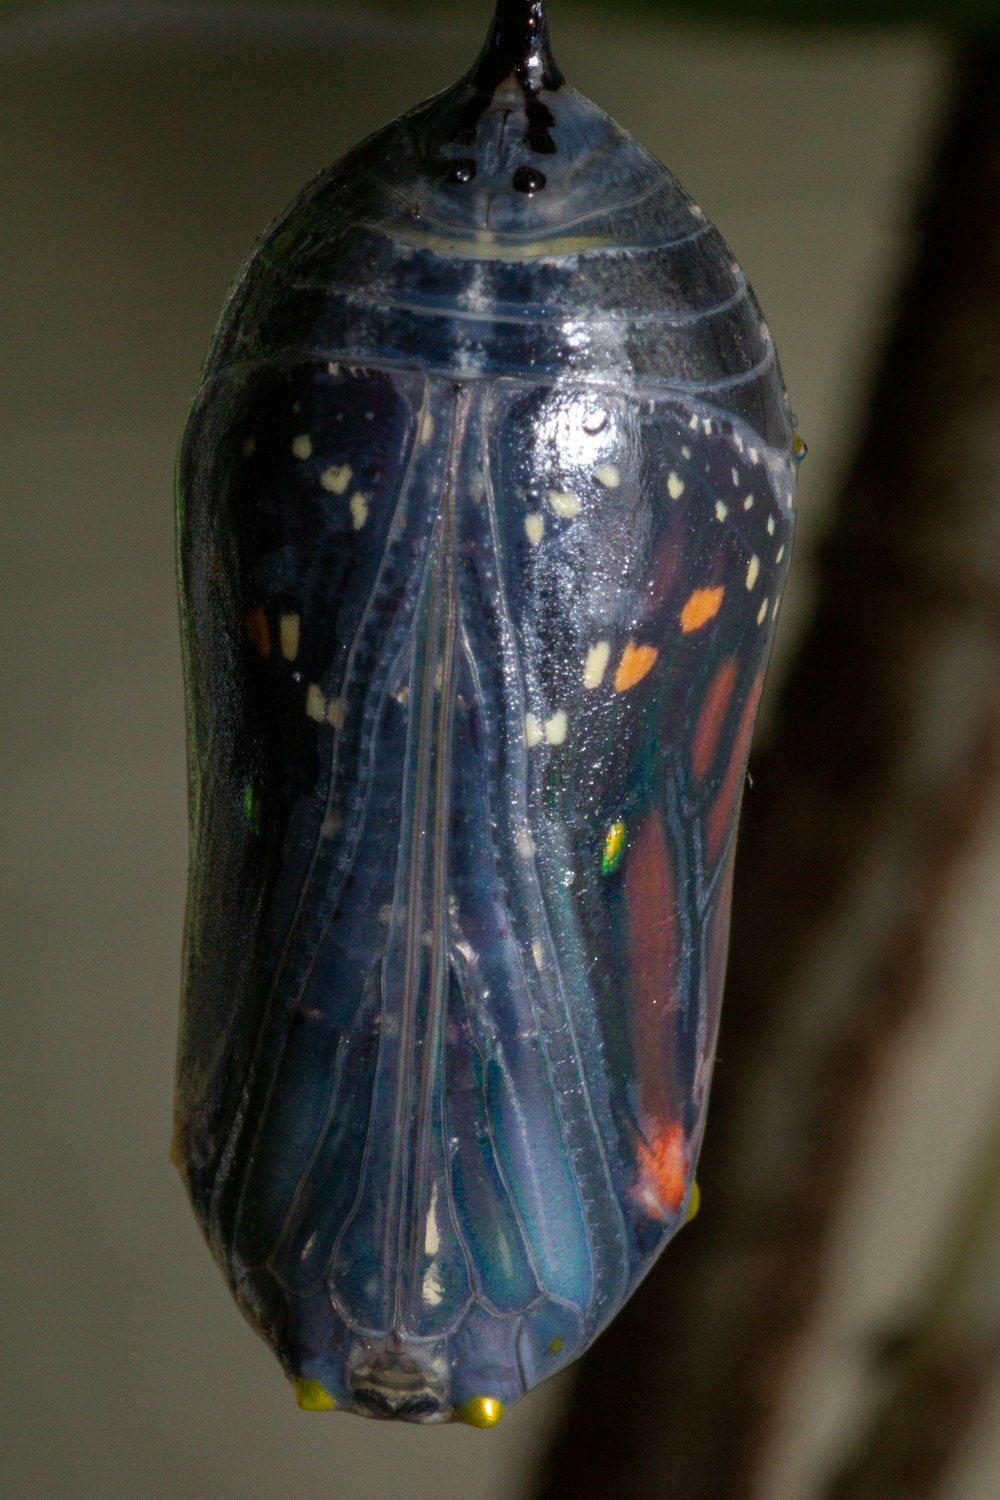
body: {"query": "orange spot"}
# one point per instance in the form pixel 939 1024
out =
pixel 702 606
pixel 255 625
pixel 635 663
pixel 710 720
pixel 662 1164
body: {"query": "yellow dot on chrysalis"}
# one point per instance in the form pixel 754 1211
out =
pixel 614 848
pixel 534 527
pixel 564 503
pixel 315 702
pixel 481 1411
pixel 302 446
pixel 753 570
pixel 288 633
pixel 359 510
pixel 554 1346
pixel 533 732
pixel 703 605
pixel 596 664
pixel 608 475
pixel 694 1202
pixel 312 1396
pixel 555 728
pixel 721 510
pixel 336 478
pixel 762 613
pixel 635 663
pixel 675 486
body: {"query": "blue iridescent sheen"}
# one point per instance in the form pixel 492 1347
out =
pixel 485 507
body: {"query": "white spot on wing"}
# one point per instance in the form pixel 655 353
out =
pixel 359 510
pixel 753 570
pixel 538 955
pixel 675 485
pixel 762 612
pixel 533 732
pixel 288 630
pixel 426 432
pixel 525 843
pixel 534 526
pixel 336 478
pixel 564 503
pixel 555 728
pixel 721 510
pixel 596 664
pixel 608 475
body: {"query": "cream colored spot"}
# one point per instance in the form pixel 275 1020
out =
pixel 774 611
pixel 432 1238
pixel 249 446
pixel 335 713
pixel 302 446
pixel 780 553
pixel 359 510
pixel 555 728
pixel 596 664
pixel 538 954
pixel 694 424
pixel 525 843
pixel 336 478
pixel 533 732
pixel 770 526
pixel 762 612
pixel 333 369
pixel 736 477
pixel 608 475
pixel 564 503
pixel 738 441
pixel 288 630
pixel 707 426
pixel 675 485
pixel 330 826
pixel 685 451
pixel 748 503
pixel 721 510
pixel 754 456
pixel 699 213
pixel 432 1287
pixel 426 427
pixel 315 702
pixel 385 915
pixel 753 570
pixel 534 526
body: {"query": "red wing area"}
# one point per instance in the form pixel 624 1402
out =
pixel 644 545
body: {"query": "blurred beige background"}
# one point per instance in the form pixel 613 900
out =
pixel 144 146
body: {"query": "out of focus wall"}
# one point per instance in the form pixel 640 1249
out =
pixel 144 146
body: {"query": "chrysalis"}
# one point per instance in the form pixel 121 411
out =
pixel 485 508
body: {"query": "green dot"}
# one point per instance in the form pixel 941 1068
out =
pixel 614 848
pixel 252 810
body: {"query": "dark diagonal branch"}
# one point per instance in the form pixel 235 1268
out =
pixel 886 748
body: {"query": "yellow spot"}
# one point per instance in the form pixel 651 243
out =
pixel 538 955
pixel 481 1411
pixel 675 485
pixel 635 663
pixel 609 476
pixel 555 728
pixel 359 510
pixel 799 449
pixel 533 732
pixel 336 478
pixel 312 1396
pixel 780 553
pixel 335 713
pixel 554 1346
pixel 694 1202
pixel 252 811
pixel 614 848
pixel 748 503
pixel 702 606
pixel 334 369
pixel 534 526
pixel 256 627
pixel 289 635
pixel 564 503
pixel 315 702
pixel 770 526
pixel 762 613
pixel 426 427
pixel 302 446
pixel 721 510
pixel 753 570
pixel 249 446
pixel 596 664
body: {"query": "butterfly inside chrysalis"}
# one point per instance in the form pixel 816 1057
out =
pixel 485 509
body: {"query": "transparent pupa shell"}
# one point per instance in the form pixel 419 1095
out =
pixel 485 509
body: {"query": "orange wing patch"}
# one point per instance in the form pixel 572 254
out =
pixel 703 605
pixel 662 1162
pixel 635 663
pixel 711 718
